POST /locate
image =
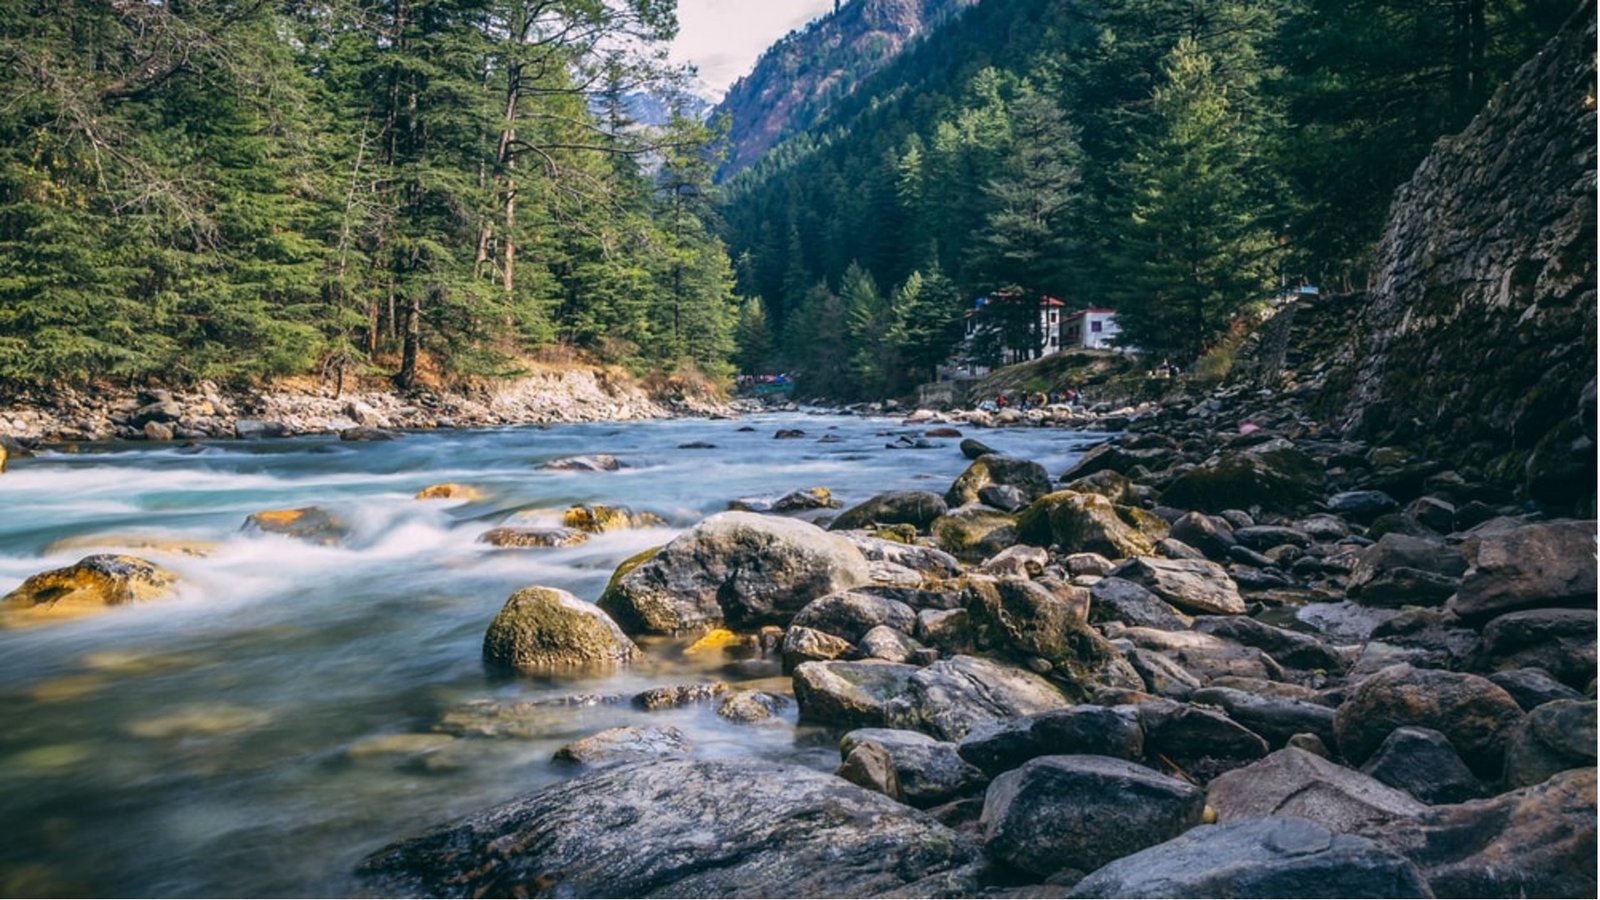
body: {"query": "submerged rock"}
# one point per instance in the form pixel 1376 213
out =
pixel 593 518
pixel 90 585
pixel 597 462
pixel 542 630
pixel 308 523
pixel 533 537
pixel 449 491
pixel 626 744
pixel 685 829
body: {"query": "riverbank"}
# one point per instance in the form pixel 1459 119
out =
pixel 545 394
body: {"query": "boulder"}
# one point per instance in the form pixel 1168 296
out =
pixel 751 706
pixel 365 433
pixel 926 772
pixel 1542 564
pixel 626 744
pixel 1559 641
pixel 794 501
pixel 542 630
pixel 1401 570
pixel 916 508
pixel 1273 476
pixel 1277 719
pixel 1117 599
pixel 1081 812
pixel 1291 648
pixel 851 614
pixel 1554 737
pixel 1537 841
pixel 1270 857
pixel 682 828
pixel 849 693
pixel 1020 561
pixel 1201 742
pixel 593 518
pixel 449 491
pixel 308 523
pixel 887 643
pixel 1473 712
pixel 950 697
pixel 994 469
pixel 1292 782
pixel 1002 745
pixel 511 537
pixel 1113 457
pixel 1361 506
pixel 928 562
pixel 802 644
pixel 1532 687
pixel 1033 624
pixel 974 531
pixel 90 585
pixel 676 696
pixel 741 568
pixel 596 462
pixel 1081 522
pixel 1211 535
pixel 1195 586
pixel 1421 762
pixel 972 448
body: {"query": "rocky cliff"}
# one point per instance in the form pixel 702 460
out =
pixel 800 76
pixel 1476 341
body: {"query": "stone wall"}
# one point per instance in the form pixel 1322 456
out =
pixel 1477 340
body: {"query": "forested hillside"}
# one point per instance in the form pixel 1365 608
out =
pixel 238 188
pixel 798 78
pixel 1179 160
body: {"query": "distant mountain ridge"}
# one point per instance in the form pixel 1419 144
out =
pixel 799 77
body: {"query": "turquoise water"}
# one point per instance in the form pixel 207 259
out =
pixel 299 706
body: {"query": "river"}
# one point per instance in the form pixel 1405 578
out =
pixel 298 706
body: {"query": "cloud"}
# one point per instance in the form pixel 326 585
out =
pixel 724 37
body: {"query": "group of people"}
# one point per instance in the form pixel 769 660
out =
pixel 1033 400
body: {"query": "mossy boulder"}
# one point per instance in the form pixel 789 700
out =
pixel 1273 476
pixel 994 469
pixel 738 568
pixel 1081 523
pixel 915 508
pixel 592 518
pixel 1046 627
pixel 312 524
pixel 974 531
pixel 542 630
pixel 90 585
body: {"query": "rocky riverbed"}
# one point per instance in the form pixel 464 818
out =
pixel 1227 652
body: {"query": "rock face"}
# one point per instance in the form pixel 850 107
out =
pixel 541 630
pixel 90 585
pixel 676 828
pixel 1081 812
pixel 1272 857
pixel 1479 330
pixel 742 568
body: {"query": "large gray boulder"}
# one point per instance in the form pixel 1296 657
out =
pixel 1081 522
pixel 545 630
pixel 1553 738
pixel 1081 812
pixel 1273 476
pixel 1527 566
pixel 1277 719
pixel 849 693
pixel 740 568
pixel 1024 474
pixel 1421 762
pixel 1192 585
pixel 998 746
pixel 1293 782
pixel 1270 857
pixel 851 614
pixel 950 697
pixel 927 772
pixel 1537 841
pixel 1401 570
pixel 1044 625
pixel 678 828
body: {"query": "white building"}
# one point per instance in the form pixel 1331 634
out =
pixel 981 327
pixel 1090 329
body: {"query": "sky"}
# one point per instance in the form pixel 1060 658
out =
pixel 724 37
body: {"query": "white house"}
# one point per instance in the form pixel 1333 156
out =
pixel 1091 329
pixel 980 324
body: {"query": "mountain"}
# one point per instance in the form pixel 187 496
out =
pixel 800 76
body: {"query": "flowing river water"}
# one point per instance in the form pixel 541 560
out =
pixel 299 706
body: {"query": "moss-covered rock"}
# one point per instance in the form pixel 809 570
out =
pixel 91 585
pixel 542 630
pixel 1029 622
pixel 984 471
pixel 592 518
pixel 1081 523
pixel 974 532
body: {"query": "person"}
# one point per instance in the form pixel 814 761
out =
pixel 1001 401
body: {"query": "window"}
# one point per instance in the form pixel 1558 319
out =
pixel 1095 327
pixel 1053 315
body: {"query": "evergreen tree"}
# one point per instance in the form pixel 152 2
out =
pixel 752 338
pixel 1195 252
